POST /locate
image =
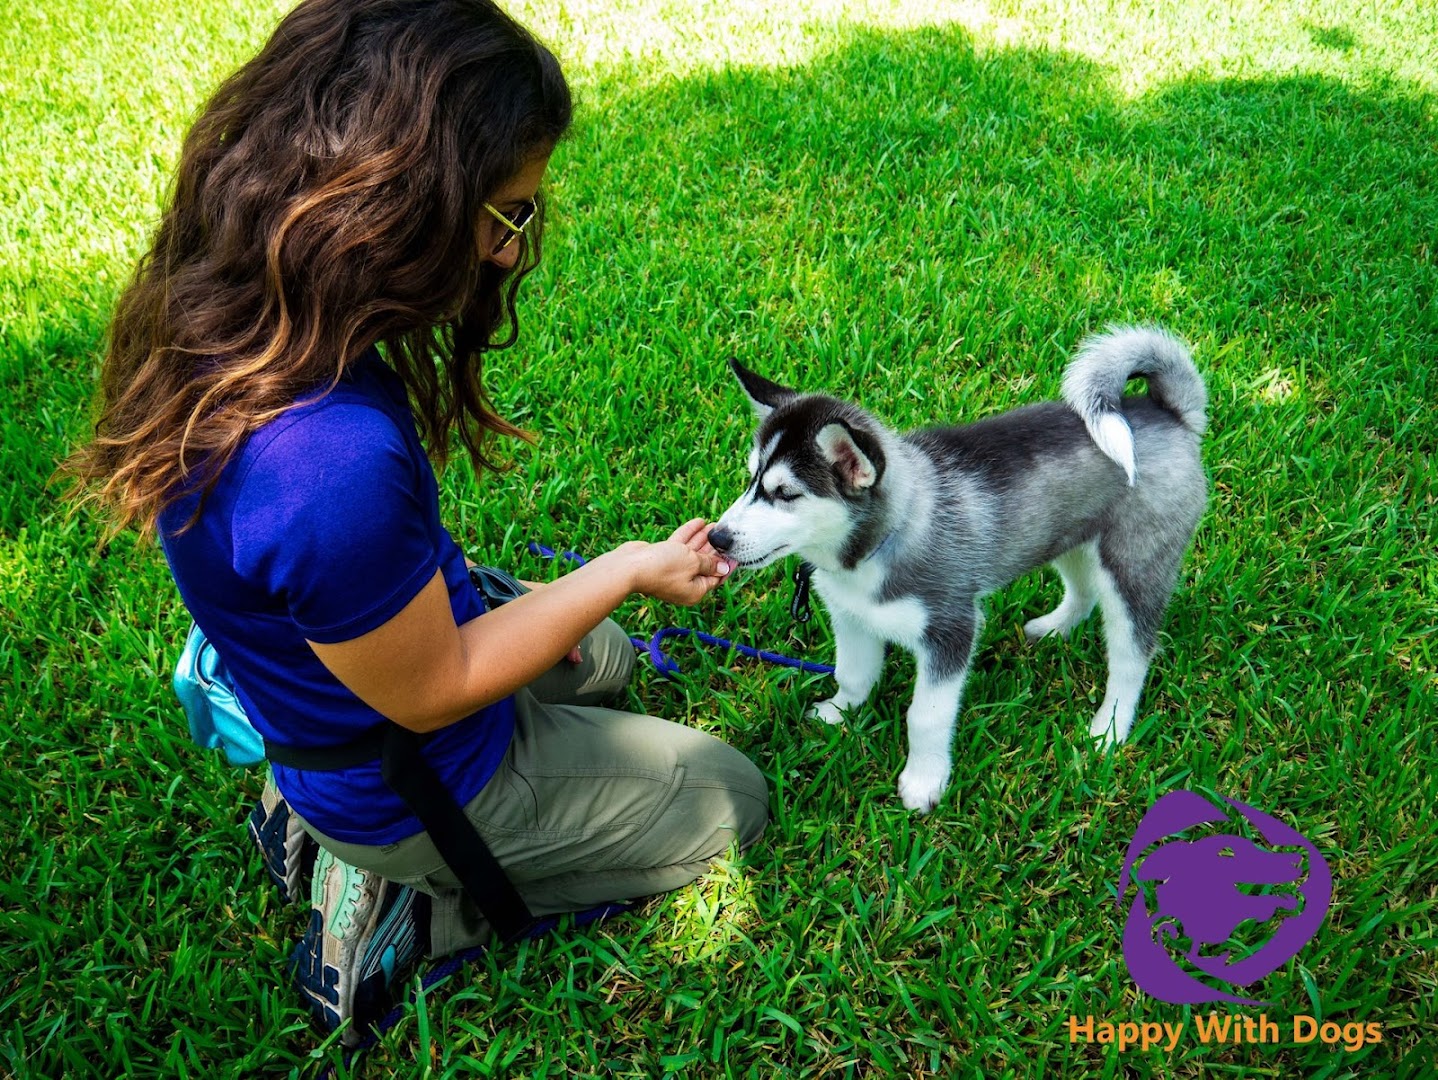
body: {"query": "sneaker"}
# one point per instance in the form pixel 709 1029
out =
pixel 364 931
pixel 286 850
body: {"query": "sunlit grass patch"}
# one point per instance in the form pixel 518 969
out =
pixel 713 913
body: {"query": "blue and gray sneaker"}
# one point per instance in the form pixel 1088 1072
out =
pixel 287 851
pixel 364 932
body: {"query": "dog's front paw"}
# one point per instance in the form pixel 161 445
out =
pixel 827 711
pixel 1110 725
pixel 922 784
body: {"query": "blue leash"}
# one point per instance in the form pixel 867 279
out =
pixel 654 645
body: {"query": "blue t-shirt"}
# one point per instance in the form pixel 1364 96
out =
pixel 323 526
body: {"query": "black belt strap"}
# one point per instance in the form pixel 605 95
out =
pixel 367 748
pixel 411 777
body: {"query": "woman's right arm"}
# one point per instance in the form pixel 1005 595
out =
pixel 423 672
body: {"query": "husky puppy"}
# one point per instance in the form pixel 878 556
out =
pixel 906 533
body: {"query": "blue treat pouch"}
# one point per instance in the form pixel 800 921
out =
pixel 216 717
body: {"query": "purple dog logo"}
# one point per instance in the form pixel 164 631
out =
pixel 1204 892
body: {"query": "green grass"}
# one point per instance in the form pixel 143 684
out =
pixel 921 207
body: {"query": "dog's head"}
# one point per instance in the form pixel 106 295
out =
pixel 815 478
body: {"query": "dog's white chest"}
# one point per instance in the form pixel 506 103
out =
pixel 856 596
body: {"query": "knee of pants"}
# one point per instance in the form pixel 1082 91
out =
pixel 725 800
pixel 755 807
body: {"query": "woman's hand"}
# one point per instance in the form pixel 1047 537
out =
pixel 680 570
pixel 424 672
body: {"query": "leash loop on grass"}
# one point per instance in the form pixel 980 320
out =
pixel 654 645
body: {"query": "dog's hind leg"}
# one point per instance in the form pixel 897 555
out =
pixel 858 662
pixel 1133 600
pixel 943 664
pixel 1077 568
pixel 1140 551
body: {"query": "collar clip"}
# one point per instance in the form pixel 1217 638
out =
pixel 799 606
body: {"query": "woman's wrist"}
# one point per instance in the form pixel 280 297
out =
pixel 624 564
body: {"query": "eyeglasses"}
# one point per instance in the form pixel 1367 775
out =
pixel 513 227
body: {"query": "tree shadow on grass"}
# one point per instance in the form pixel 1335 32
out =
pixel 941 192
pixel 906 221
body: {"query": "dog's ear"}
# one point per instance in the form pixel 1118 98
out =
pixel 765 396
pixel 859 470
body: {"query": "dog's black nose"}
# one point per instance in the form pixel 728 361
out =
pixel 721 539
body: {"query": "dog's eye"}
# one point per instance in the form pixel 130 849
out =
pixel 788 496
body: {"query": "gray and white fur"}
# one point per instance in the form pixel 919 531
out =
pixel 907 533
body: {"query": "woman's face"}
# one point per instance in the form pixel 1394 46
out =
pixel 511 200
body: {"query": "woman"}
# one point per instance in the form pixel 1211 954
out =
pixel 354 212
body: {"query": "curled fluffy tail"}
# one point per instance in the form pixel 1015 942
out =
pixel 1094 381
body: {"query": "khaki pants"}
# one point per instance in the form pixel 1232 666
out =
pixel 590 805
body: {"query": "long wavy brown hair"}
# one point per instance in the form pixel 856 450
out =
pixel 328 199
